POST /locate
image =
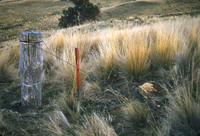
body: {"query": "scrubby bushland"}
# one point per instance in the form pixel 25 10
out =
pixel 83 11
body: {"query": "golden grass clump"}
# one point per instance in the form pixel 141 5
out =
pixel 164 44
pixel 187 59
pixel 82 40
pixel 63 66
pixel 8 72
pixel 9 63
pixel 13 54
pixel 67 70
pixel 56 42
pixel 105 59
pixel 95 126
pixel 54 125
pixel 136 60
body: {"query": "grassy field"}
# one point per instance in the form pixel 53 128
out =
pixel 146 67
pixel 151 8
pixel 43 15
pixel 16 15
pixel 25 15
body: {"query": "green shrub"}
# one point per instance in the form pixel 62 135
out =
pixel 83 10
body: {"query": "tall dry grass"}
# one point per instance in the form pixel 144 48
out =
pixel 63 47
pixel 131 54
pixel 183 116
pixel 9 64
pixel 164 40
pixel 114 55
pixel 105 58
pixel 135 61
pixel 95 126
pixel 134 54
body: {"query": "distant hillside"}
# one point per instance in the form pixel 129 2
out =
pixel 16 15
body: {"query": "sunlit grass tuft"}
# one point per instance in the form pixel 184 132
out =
pixel 57 124
pixel 56 42
pixel 164 45
pixel 8 72
pixel 105 59
pixel 136 60
pixel 96 126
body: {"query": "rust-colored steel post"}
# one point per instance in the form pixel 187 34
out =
pixel 78 71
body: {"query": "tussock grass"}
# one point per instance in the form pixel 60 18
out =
pixel 135 115
pixel 136 60
pixel 131 54
pixel 66 119
pixel 1 121
pixel 120 55
pixel 106 60
pixel 165 44
pixel 187 60
pixel 8 72
pixel 2 124
pixel 56 42
pixel 54 125
pixel 90 89
pixel 50 65
pixel 69 106
pixel 94 125
pixel 184 111
pixel 9 63
pixel 67 72
pixel 71 119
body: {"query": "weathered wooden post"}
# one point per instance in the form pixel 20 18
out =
pixel 30 68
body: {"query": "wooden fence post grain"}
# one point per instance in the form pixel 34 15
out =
pixel 30 68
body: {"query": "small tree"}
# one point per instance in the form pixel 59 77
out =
pixel 83 10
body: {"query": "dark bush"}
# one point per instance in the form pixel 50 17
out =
pixel 83 10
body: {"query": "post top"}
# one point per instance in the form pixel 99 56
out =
pixel 30 36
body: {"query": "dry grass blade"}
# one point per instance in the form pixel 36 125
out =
pixel 94 125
